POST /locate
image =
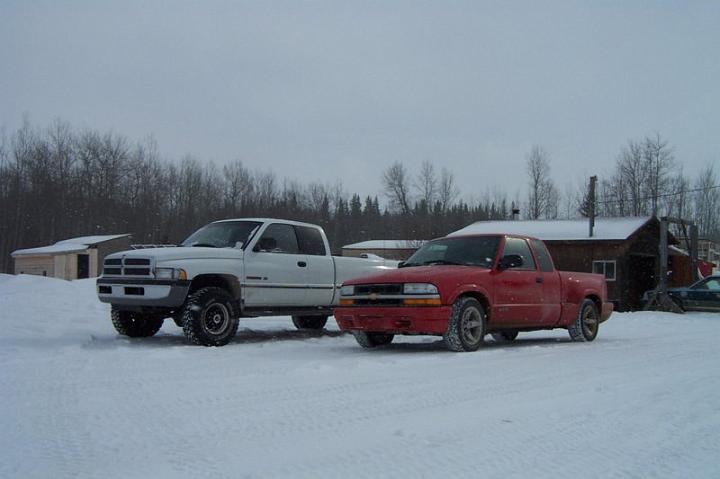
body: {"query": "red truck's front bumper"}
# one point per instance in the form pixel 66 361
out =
pixel 397 320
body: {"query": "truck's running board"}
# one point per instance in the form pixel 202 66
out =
pixel 288 311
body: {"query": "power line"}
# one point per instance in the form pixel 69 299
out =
pixel 664 195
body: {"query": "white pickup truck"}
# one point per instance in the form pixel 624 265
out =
pixel 227 270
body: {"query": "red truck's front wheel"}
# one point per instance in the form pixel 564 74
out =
pixel 466 328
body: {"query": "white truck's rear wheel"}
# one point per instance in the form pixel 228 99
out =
pixel 309 322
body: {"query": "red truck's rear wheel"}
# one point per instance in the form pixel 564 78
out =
pixel 466 328
pixel 585 327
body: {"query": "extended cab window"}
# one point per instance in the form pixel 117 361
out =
pixel 278 238
pixel 543 256
pixel 311 241
pixel 519 247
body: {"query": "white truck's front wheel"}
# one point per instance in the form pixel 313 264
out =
pixel 135 325
pixel 210 317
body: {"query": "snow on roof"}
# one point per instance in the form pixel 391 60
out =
pixel 561 230
pixel 72 245
pixel 386 244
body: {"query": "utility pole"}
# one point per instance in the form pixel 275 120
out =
pixel 591 204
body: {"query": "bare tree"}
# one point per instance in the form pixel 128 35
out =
pixel 448 191
pixel 426 183
pixel 660 163
pixel 707 202
pixel 395 182
pixel 543 197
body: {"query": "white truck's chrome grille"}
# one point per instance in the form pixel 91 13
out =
pixel 135 267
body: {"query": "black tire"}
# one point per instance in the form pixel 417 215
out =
pixel 210 317
pixel 678 302
pixel 466 327
pixel 135 325
pixel 372 340
pixel 309 322
pixel 178 319
pixel 586 325
pixel 504 336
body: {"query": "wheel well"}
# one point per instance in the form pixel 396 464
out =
pixel 595 299
pixel 227 282
pixel 481 298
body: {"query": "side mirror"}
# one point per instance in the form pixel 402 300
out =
pixel 510 261
pixel 239 244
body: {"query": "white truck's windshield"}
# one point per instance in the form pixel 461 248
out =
pixel 226 234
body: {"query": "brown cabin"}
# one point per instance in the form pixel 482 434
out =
pixel 625 250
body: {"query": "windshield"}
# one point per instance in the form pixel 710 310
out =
pixel 223 235
pixel 476 251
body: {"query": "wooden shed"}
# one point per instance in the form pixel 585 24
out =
pixel 625 250
pixel 73 258
pixel 389 249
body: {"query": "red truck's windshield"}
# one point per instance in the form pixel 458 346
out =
pixel 468 251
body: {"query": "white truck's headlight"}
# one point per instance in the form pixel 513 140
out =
pixel 347 290
pixel 419 288
pixel 170 273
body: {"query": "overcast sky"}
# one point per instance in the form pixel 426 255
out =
pixel 324 90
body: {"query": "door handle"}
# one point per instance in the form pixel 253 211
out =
pixel 538 279
pixel 302 264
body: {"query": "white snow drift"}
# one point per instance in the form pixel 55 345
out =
pixel 77 400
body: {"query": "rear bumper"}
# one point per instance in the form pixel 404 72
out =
pixel 142 293
pixel 607 309
pixel 398 320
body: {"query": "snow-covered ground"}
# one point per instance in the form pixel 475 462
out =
pixel 77 400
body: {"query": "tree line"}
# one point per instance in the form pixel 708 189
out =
pixel 59 182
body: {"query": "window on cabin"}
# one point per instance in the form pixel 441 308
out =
pixel 606 268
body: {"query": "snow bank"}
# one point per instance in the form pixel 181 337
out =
pixel 77 400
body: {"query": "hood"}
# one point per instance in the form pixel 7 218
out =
pixel 180 253
pixel 417 274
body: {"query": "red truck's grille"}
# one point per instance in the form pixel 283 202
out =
pixel 363 289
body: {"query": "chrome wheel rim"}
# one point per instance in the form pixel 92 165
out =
pixel 215 318
pixel 589 322
pixel 471 325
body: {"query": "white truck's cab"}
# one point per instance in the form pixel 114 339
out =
pixel 227 269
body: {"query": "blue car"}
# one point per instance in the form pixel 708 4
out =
pixel 703 295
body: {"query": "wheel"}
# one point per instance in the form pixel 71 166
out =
pixel 372 340
pixel 678 302
pixel 466 327
pixel 210 317
pixel 309 322
pixel 504 336
pixel 585 327
pixel 178 319
pixel 135 325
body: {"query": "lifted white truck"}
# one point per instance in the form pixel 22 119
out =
pixel 227 270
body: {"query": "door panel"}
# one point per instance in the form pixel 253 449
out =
pixel 518 291
pixel 320 278
pixel 275 271
pixel 274 279
pixel 516 298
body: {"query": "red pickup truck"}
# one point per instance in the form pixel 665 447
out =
pixel 464 287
